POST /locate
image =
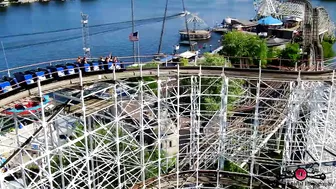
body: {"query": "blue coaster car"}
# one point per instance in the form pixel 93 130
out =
pixel 24 78
pixel 68 69
pixel 13 81
pixel 87 68
pixel 110 66
pixel 36 75
pixel 75 65
pixel 57 72
pixel 95 66
pixel 47 72
pixel 5 86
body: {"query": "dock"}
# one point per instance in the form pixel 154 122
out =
pixel 192 43
pixel 195 35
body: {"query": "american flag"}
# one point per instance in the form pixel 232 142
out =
pixel 134 36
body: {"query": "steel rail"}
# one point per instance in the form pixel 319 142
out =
pixel 225 176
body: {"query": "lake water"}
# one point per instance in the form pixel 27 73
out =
pixel 39 17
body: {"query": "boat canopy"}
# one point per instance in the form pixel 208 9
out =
pixel 270 21
pixel 187 54
pixel 166 59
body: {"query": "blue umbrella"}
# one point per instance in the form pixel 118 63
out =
pixel 270 21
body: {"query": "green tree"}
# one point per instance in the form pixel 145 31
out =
pixel 327 44
pixel 239 44
pixel 328 51
pixel 272 54
pixel 330 39
pixel 291 54
pixel 213 60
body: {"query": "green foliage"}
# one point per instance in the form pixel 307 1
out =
pixel 150 65
pixel 239 44
pixel 229 166
pixel 212 60
pixel 330 39
pixel 184 62
pixel 291 54
pixel 152 168
pixel 328 51
pixel 212 103
pixel 146 65
pixel 273 53
pixel 153 85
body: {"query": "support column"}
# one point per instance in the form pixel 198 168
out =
pixel 255 127
pixel 159 122
pixel 223 125
pixel 116 118
pixel 142 128
pixel 87 153
pixel 326 121
pixel 193 124
pixel 23 172
pixel 292 115
pixel 90 127
pixel 46 139
pixel 178 127
pixel 2 180
pixel 198 125
pixel 60 156
pixel 288 136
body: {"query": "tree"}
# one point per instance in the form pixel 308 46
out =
pixel 328 51
pixel 273 53
pixel 327 44
pixel 213 60
pixel 239 44
pixel 291 54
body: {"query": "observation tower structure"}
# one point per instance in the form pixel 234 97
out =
pixel 173 127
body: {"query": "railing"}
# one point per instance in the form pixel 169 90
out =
pixel 66 60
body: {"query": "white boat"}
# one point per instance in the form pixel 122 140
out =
pixel 4 4
pixel 184 13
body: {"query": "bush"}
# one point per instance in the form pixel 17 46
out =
pixel 291 53
pixel 212 60
pixel 184 62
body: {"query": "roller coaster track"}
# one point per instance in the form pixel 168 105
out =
pixel 270 75
pixel 208 177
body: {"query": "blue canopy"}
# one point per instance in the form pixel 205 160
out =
pixel 270 21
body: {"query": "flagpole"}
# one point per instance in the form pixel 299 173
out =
pixel 139 48
pixel 133 28
pixel 3 49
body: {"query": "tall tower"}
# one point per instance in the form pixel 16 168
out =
pixel 85 30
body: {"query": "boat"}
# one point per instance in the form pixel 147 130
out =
pixel 4 4
pixel 27 107
pixel 195 34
